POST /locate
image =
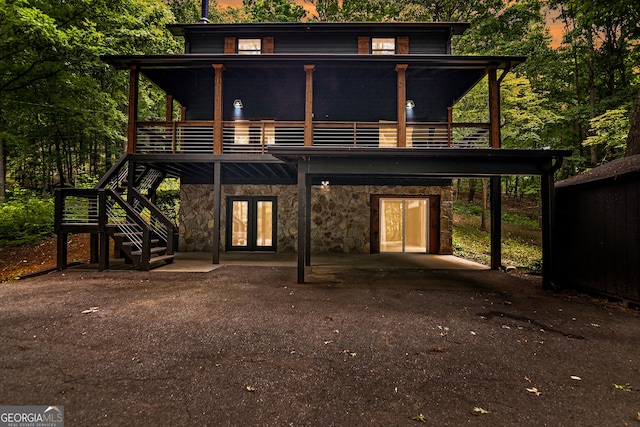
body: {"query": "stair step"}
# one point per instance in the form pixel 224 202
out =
pixel 133 242
pixel 168 259
pixel 152 251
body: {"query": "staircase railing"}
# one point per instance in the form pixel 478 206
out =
pixel 160 224
pixel 129 222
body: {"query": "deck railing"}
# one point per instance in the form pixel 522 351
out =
pixel 256 136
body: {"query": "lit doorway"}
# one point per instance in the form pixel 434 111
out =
pixel 251 224
pixel 404 225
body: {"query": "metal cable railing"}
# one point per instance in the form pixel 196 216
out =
pixel 244 136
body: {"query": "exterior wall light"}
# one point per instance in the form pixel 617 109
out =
pixel 238 103
pixel 325 183
pixel 410 104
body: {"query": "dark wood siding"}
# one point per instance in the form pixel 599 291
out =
pixel 431 43
pixel 597 238
pixel 428 43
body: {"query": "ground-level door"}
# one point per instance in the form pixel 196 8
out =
pixel 251 223
pixel 405 224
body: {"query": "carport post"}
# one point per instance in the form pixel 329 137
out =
pixel 496 223
pixel 304 200
pixel 547 195
pixel 217 190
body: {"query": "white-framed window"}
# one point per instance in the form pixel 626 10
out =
pixel 250 46
pixel 383 45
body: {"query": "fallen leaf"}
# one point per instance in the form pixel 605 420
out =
pixel 534 390
pixel 250 388
pixel 480 411
pixel 574 377
pixel 90 310
pixel 506 327
pixel 638 416
pixel 625 387
pixel 420 418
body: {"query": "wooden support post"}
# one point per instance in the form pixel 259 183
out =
pixel 308 105
pixel 401 69
pixel 134 74
pixel 217 197
pixel 494 109
pixel 217 110
pixel 304 182
pixel 496 223
pixel 547 193
pixel 103 235
pixel 94 248
pixel 449 126
pixel 169 109
pixel 62 250
pixel 308 186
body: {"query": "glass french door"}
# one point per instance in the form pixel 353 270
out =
pixel 404 225
pixel 251 224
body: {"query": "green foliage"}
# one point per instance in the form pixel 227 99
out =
pixel 521 238
pixel 25 219
pixel 61 108
pixel 168 198
pixel 273 10
pixel 610 130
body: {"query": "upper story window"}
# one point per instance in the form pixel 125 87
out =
pixel 250 46
pixel 383 46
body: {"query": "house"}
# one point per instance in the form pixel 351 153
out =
pixel 598 231
pixel 302 137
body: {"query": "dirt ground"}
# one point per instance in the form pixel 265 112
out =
pixel 361 346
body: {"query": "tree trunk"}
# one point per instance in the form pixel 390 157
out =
pixel 472 189
pixel 633 139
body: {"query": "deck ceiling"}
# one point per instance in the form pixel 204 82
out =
pixel 356 166
pixel 440 79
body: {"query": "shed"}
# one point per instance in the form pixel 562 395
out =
pixel 597 248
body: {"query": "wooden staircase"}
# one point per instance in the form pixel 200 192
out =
pixel 118 209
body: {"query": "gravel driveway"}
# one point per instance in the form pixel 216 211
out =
pixel 245 345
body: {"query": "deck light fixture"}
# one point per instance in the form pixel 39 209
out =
pixel 325 183
pixel 409 104
pixel 238 103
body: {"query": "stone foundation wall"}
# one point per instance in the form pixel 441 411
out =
pixel 340 215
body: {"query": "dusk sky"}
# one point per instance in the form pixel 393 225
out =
pixel 554 27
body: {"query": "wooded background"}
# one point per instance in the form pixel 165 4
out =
pixel 63 111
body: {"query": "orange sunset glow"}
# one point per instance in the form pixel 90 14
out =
pixel 555 27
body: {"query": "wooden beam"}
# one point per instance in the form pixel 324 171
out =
pixel 217 109
pixel 401 69
pixel 168 112
pixel 134 74
pixel 494 109
pixel 308 105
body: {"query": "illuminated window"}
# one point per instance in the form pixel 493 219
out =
pixel 383 46
pixel 250 46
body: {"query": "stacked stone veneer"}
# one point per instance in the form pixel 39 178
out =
pixel 340 215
